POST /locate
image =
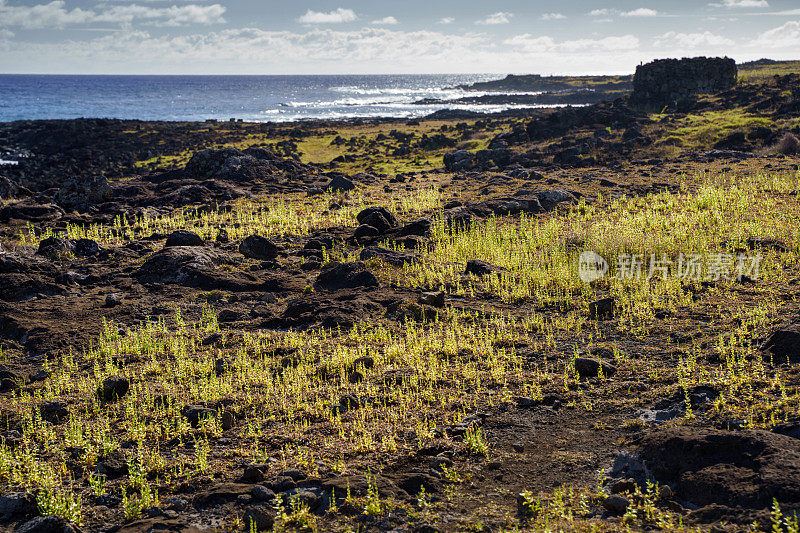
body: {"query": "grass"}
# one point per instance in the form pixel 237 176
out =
pixel 426 375
pixel 271 217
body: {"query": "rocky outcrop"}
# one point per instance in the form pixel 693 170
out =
pixel 666 81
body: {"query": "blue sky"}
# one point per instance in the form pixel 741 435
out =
pixel 358 36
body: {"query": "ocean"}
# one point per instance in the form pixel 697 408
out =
pixel 251 98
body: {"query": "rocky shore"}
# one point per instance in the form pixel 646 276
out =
pixel 379 325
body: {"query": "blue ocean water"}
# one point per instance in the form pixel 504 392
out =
pixel 252 98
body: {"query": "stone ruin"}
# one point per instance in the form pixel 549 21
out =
pixel 666 81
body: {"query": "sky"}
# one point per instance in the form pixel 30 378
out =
pixel 378 37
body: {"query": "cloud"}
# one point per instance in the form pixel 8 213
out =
pixel 368 50
pixel 740 3
pixel 5 35
pixel 168 16
pixel 386 21
pixel 337 16
pixel 641 12
pixel 553 16
pixel 446 20
pixel 56 15
pixel 691 40
pixel 544 44
pixel 599 12
pixel 501 17
pixel 785 36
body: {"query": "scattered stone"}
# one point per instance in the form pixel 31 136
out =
pixel 195 413
pixel 783 345
pixel 744 469
pixel 434 299
pixel 253 474
pixel 17 506
pixel 340 183
pixel 113 388
pixel 616 504
pixel 378 217
pixel 48 524
pixel 55 411
pixel 623 485
pixel 336 276
pixel 113 465
pixel 86 248
pixel 459 161
pixel 590 368
pixel 414 482
pixel 260 493
pixel 390 257
pixel 184 237
pixel 258 247
pixel 114 299
pixel 701 399
pixel 603 308
pixel 365 231
pixel 482 268
pixel 55 247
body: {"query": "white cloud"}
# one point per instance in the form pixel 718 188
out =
pixel 52 15
pixel 386 21
pixel 446 20
pixel 553 16
pixel 337 16
pixel 692 40
pixel 167 16
pixel 501 17
pixel 598 12
pixel 371 50
pixel 785 36
pixel 56 15
pixel 740 3
pixel 545 44
pixel 6 35
pixel 641 12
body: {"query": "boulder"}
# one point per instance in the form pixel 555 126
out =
pixel 227 164
pixel 365 231
pixel 340 183
pixel 80 193
pixel 17 505
pixel 335 276
pixel 587 367
pixel 783 345
pixel 184 237
pixel 258 247
pixel 8 188
pixel 390 257
pixel 48 524
pixel 55 247
pixel 113 388
pixel 459 161
pixel 744 469
pixel 377 217
pixel 482 268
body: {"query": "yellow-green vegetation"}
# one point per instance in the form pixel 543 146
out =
pixel 283 391
pixel 715 217
pixel 374 147
pixel 752 73
pixel 271 217
pixel 703 130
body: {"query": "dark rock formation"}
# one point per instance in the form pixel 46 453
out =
pixel 666 81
